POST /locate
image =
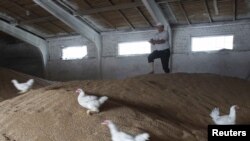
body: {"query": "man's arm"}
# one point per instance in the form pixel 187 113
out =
pixel 162 41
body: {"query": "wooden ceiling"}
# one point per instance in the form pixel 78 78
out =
pixel 113 15
pixel 204 11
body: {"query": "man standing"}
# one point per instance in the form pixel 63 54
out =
pixel 161 44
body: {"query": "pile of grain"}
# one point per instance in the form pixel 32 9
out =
pixel 173 107
pixel 7 89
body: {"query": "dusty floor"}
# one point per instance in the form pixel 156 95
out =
pixel 172 107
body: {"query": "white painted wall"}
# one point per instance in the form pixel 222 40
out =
pixel 113 66
pixel 234 63
pixel 63 70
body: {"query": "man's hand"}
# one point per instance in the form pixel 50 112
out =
pixel 152 41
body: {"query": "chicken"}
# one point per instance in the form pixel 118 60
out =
pixel 117 135
pixel 225 119
pixel 92 103
pixel 23 87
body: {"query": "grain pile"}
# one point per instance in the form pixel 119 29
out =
pixel 172 107
pixel 7 89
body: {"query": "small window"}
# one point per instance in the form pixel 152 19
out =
pixel 74 52
pixel 212 43
pixel 134 48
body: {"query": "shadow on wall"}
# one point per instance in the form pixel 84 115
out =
pixel 22 57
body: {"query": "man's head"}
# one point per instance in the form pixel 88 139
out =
pixel 160 27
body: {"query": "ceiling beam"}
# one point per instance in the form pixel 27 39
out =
pixel 67 7
pixel 123 15
pixel 234 10
pixel 22 24
pixel 184 12
pixel 79 26
pixel 155 12
pixel 16 32
pixel 4 16
pixel 90 5
pixel 126 19
pixel 208 11
pixel 171 12
pixel 38 32
pixel 25 10
pixel 216 10
pixel 166 1
pixel 111 8
pixel 144 16
pixel 216 24
pixel 158 16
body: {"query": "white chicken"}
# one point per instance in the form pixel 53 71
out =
pixel 117 135
pixel 225 119
pixel 23 87
pixel 92 103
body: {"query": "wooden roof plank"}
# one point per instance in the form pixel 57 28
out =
pixel 144 16
pixel 234 10
pixel 124 16
pixel 111 8
pixel 184 11
pixel 104 19
pixel 37 20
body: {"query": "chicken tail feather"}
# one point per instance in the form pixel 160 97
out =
pixel 30 82
pixel 215 113
pixel 103 99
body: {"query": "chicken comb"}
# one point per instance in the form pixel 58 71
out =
pixel 78 89
pixel 105 122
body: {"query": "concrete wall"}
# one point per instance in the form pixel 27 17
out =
pixel 22 57
pixel 64 70
pixel 231 63
pixel 113 66
pixel 234 63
